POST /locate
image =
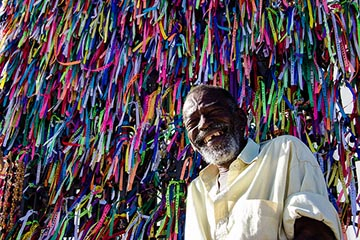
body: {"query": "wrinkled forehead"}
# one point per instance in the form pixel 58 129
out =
pixel 203 99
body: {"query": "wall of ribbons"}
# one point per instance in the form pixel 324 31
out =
pixel 91 134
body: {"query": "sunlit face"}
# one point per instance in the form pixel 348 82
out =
pixel 213 127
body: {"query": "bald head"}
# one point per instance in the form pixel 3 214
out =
pixel 213 92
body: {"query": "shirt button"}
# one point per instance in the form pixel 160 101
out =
pixel 222 221
pixel 221 230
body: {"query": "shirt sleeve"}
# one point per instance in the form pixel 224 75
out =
pixel 313 206
pixel 307 193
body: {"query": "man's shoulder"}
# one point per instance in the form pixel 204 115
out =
pixel 282 139
pixel 197 185
pixel 284 143
pixel 206 175
pixel 287 144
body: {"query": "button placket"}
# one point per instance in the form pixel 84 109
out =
pixel 221 229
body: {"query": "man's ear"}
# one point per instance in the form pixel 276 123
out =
pixel 241 117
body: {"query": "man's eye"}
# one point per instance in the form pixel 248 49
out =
pixel 191 123
pixel 216 112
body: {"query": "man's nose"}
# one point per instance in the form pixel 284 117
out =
pixel 203 123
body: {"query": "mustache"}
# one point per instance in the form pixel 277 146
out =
pixel 199 140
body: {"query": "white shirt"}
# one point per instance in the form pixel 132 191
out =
pixel 265 193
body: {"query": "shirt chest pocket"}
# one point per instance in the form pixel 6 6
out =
pixel 254 219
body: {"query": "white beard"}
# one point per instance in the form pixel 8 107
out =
pixel 221 154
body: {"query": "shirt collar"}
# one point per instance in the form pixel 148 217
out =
pixel 247 156
pixel 250 151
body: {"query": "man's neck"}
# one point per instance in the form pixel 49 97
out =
pixel 224 167
pixel 222 178
pixel 223 172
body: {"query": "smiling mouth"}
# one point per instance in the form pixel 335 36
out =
pixel 212 136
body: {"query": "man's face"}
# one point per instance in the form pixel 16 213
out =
pixel 213 127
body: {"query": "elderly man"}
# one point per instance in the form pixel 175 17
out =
pixel 275 190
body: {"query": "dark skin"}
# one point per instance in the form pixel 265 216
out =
pixel 206 107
